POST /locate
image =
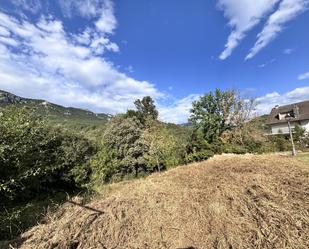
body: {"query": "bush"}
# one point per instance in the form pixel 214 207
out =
pixel 36 158
pixel 301 138
pixel 198 156
pixel 199 149
pixel 280 142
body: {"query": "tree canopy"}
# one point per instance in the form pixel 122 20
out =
pixel 212 112
pixel 145 110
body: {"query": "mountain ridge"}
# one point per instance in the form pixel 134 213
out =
pixel 55 113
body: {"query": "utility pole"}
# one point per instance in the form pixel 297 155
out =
pixel 292 141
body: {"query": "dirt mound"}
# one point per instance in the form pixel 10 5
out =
pixel 227 202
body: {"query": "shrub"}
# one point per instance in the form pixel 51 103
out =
pixel 36 158
pixel 280 142
pixel 199 149
pixel 197 156
pixel 300 137
pixel 122 151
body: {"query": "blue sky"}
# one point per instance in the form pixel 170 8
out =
pixel 103 54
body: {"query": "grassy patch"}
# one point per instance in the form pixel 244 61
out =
pixel 303 157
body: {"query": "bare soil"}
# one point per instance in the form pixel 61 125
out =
pixel 229 201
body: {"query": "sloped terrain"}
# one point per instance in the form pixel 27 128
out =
pixel 55 113
pixel 228 201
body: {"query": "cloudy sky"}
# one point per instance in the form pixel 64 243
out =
pixel 103 54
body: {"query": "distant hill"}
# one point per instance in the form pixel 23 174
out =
pixel 56 114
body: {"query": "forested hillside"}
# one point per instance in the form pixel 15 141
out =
pixel 56 114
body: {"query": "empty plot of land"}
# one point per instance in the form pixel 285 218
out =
pixel 227 202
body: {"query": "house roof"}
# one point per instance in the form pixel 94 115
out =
pixel 303 109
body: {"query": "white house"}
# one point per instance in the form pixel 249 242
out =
pixel 297 114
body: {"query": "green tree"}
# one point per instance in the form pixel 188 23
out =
pixel 147 107
pixel 211 114
pixel 299 133
pixel 162 150
pixel 136 143
pixel 123 148
pixel 300 136
pixel 198 148
pixel 145 110
pixel 216 115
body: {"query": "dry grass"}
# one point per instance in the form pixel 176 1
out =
pixel 227 202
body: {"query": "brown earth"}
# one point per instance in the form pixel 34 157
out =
pixel 228 201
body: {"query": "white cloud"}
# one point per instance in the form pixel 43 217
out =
pixel 107 21
pixel 270 100
pixel 84 8
pixel 33 6
pixel 55 65
pixel 288 10
pixel 4 31
pixel 8 41
pixel 267 63
pixel 243 15
pixel 130 69
pixel 304 76
pixel 288 51
pixel 103 9
pixel 179 111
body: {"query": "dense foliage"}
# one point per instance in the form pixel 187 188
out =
pixel 301 138
pixel 35 157
pixel 213 115
pixel 36 160
pixel 135 144
pixel 145 110
pixel 121 152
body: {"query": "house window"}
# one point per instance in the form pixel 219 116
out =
pixel 285 115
